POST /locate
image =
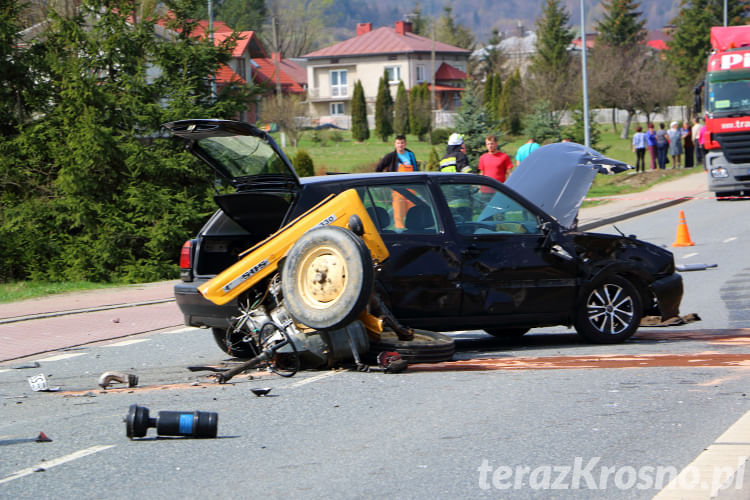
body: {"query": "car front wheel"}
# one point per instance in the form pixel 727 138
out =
pixel 609 312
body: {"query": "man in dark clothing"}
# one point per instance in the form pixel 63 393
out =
pixel 400 160
pixel 455 159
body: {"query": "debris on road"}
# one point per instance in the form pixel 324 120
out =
pixel 107 378
pixel 673 321
pixel 694 267
pixel 42 438
pixel 38 383
pixel 33 364
pixel 261 391
pixel 199 424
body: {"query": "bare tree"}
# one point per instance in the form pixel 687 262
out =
pixel 287 112
pixel 299 26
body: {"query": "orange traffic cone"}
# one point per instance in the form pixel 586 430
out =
pixel 683 235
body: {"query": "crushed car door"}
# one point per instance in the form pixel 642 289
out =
pixel 506 269
pixel 421 274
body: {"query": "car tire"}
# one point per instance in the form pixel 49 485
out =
pixel 232 346
pixel 327 278
pixel 609 312
pixel 507 333
pixel 426 347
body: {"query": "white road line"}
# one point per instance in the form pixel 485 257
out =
pixel 127 342
pixel 688 255
pixel 314 378
pixel 48 464
pixel 729 239
pixel 60 357
pixel 4 370
pixel 721 465
pixel 180 330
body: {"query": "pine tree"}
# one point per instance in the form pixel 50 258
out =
pixel 493 87
pixel 543 123
pixel 508 106
pixel 420 113
pixel 553 39
pixel 360 129
pixel 384 109
pixel 474 124
pixel 401 111
pixel 621 25
pixel 690 43
pixel 303 164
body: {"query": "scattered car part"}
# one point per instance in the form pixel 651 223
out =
pixel 106 378
pixel 199 424
pixel 391 362
pixel 215 369
pixel 260 391
pixel 42 438
pixel 33 364
pixel 38 383
pixel 694 267
pixel 425 347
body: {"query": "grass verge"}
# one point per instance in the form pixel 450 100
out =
pixel 20 290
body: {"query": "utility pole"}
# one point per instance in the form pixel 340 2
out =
pixel 585 83
pixel 276 60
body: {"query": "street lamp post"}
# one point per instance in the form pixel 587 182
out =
pixel 585 84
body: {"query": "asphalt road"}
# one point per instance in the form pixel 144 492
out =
pixel 549 417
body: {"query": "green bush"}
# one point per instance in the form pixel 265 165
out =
pixel 440 136
pixel 337 136
pixel 303 164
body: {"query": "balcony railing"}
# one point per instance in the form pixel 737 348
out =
pixel 338 92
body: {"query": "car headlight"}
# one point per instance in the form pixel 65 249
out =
pixel 719 172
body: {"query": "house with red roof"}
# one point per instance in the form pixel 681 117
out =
pixel 397 51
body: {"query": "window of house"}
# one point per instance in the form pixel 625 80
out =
pixel 338 83
pixel 241 68
pixel 420 73
pixel 337 108
pixel 394 73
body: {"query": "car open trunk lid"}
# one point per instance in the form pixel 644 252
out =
pixel 251 161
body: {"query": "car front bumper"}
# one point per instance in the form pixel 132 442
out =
pixel 199 311
pixel 668 292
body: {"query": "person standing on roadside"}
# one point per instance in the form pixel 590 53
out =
pixel 525 150
pixel 651 145
pixel 696 130
pixel 674 136
pixel 639 148
pixel 494 163
pixel 702 145
pixel 455 159
pixel 662 144
pixel 399 160
pixel 688 145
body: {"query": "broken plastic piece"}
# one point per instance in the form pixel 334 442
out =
pixel 199 424
pixel 261 391
pixel 42 438
pixel 694 267
pixel 107 378
pixel 38 383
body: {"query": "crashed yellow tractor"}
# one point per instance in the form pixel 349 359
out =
pixel 304 291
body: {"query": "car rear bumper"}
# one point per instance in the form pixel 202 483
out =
pixel 668 292
pixel 199 311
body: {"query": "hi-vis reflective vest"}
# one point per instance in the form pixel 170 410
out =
pixel 448 164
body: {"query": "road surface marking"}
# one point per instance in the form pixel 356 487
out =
pixel 718 465
pixel 180 330
pixel 4 370
pixel 687 256
pixel 314 378
pixel 729 239
pixel 60 357
pixel 127 342
pixel 48 464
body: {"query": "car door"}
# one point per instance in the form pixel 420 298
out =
pixel 422 273
pixel 506 271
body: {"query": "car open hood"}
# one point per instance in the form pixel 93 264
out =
pixel 242 154
pixel 557 177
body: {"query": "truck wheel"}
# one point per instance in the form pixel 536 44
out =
pixel 610 311
pixel 232 346
pixel 327 278
pixel 507 333
pixel 426 347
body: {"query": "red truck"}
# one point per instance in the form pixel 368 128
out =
pixel 727 111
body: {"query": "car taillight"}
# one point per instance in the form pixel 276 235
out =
pixel 185 254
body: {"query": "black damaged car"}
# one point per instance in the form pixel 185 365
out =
pixel 466 252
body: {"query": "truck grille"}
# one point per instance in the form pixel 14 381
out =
pixel 735 145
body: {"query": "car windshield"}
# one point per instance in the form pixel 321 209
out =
pixel 728 92
pixel 244 155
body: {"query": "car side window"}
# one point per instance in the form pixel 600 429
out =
pixel 480 209
pixel 401 208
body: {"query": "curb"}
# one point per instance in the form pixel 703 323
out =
pixel 634 213
pixel 55 314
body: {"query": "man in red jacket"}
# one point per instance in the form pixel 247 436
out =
pixel 494 163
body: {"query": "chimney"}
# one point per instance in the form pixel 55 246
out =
pixel 363 28
pixel 402 27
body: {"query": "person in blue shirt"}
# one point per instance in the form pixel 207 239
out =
pixel 399 160
pixel 639 148
pixel 526 150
